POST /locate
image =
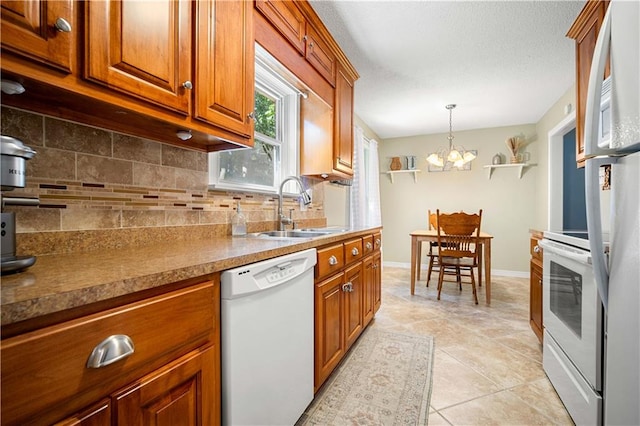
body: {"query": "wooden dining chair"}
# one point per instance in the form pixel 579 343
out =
pixel 433 247
pixel 434 265
pixel 458 247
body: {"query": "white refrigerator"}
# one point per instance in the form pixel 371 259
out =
pixel 618 274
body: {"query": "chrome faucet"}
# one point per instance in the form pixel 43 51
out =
pixel 282 219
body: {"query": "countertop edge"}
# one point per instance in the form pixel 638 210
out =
pixel 52 303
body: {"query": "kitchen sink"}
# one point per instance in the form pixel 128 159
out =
pixel 298 233
pixel 295 233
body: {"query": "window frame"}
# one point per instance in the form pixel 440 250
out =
pixel 269 81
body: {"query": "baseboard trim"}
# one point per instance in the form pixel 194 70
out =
pixel 496 272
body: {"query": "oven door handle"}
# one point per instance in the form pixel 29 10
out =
pixel 549 247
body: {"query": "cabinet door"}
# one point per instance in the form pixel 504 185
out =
pixel 343 116
pixel 535 299
pixel 287 18
pixel 225 64
pixel 586 30
pixel 329 328
pixel 377 283
pixel 29 29
pixel 96 415
pixel 368 290
pixel 353 303
pixel 141 48
pixel 181 393
pixel 320 56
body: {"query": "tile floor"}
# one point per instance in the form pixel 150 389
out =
pixel 487 361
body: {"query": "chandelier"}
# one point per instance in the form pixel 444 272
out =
pixel 455 155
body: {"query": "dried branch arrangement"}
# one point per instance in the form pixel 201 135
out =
pixel 514 144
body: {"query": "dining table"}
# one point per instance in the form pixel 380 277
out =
pixel 431 235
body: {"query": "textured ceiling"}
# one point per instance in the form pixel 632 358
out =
pixel 503 63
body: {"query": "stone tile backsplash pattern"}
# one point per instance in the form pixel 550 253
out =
pixel 90 179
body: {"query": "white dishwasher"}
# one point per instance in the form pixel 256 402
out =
pixel 267 340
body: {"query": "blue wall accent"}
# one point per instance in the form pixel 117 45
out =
pixel 574 209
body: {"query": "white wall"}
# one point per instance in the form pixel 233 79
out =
pixel 548 121
pixel 508 203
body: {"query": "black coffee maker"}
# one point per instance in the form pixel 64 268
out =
pixel 12 175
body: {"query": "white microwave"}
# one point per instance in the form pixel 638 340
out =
pixel 604 129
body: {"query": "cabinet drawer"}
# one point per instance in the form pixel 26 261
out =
pixel 330 260
pixel 367 244
pixel 535 250
pixel 377 241
pixel 353 250
pixel 47 369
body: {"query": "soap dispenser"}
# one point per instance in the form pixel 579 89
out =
pixel 238 222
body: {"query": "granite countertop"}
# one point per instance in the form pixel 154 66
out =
pixel 64 281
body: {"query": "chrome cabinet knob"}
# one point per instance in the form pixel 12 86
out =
pixel 251 115
pixel 62 25
pixel 369 246
pixel 112 349
pixel 355 251
pixel 536 249
pixel 187 85
pixel 333 261
pixel 378 241
pixel 347 287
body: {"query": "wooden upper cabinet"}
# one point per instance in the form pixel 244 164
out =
pixel 225 70
pixel 585 32
pixel 320 56
pixel 343 122
pixel 142 49
pixel 287 19
pixel 29 29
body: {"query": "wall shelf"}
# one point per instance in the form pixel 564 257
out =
pixel 392 172
pixel 519 166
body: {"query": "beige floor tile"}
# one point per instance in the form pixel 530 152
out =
pixel 502 408
pixel 435 419
pixel 541 395
pixel 454 382
pixel 487 362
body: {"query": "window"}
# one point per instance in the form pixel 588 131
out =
pixel 276 136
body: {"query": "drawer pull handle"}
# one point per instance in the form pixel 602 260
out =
pixel 378 241
pixel 354 251
pixel 187 85
pixel 110 350
pixel 347 287
pixel 369 246
pixel 536 249
pixel 62 25
pixel 333 261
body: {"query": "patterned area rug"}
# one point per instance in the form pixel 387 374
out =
pixel 384 380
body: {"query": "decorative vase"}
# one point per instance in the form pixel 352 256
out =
pixel 515 159
pixel 396 164
pixel 497 159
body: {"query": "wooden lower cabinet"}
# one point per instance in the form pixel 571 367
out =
pixel 353 303
pixel 96 415
pixel 535 286
pixel 329 329
pixel 345 302
pixel 377 280
pixel 181 393
pixel 171 377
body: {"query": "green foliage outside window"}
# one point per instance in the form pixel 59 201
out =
pixel 265 113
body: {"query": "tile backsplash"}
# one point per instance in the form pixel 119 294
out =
pixel 91 181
